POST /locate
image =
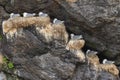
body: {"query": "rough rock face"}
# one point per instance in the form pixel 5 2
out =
pixel 26 5
pixel 3 14
pixel 36 59
pixel 92 74
pixel 97 20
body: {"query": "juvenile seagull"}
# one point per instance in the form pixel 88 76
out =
pixel 25 14
pixel 76 37
pixel 12 15
pixel 43 14
pixel 56 21
pixel 105 61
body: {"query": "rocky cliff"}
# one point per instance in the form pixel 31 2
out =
pixel 36 59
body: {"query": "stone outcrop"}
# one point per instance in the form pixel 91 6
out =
pixel 97 21
pixel 35 58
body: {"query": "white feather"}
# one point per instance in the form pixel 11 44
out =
pixel 105 61
pixel 12 15
pixel 42 14
pixel 25 14
pixel 56 21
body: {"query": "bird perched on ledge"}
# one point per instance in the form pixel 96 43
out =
pixel 105 61
pixel 25 14
pixel 12 15
pixel 75 43
pixel 56 21
pixel 77 37
pixel 59 30
pixel 92 58
pixel 43 14
pixel 89 52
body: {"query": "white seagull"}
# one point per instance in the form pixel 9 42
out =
pixel 105 61
pixel 25 14
pixel 91 52
pixel 12 15
pixel 76 37
pixel 43 14
pixel 56 21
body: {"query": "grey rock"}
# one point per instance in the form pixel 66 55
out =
pixel 46 67
pixel 2 76
pixel 26 5
pixel 84 72
pixel 3 2
pixel 3 13
pixel 98 21
pixel 36 60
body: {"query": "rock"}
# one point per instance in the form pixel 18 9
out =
pixel 3 2
pixel 98 21
pixel 46 67
pixel 3 15
pixel 27 6
pixel 34 59
pixel 2 76
pixel 27 42
pixel 91 74
pixel 91 19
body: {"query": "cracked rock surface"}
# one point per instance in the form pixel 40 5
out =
pixel 35 59
pixel 97 20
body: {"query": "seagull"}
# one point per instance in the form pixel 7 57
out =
pixel 12 15
pixel 76 37
pixel 91 52
pixel 56 21
pixel 42 14
pixel 25 14
pixel 105 61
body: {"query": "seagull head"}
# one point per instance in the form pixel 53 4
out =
pixel 54 21
pixel 87 52
pixel 104 61
pixel 11 14
pixel 81 37
pixel 40 13
pixel 72 35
